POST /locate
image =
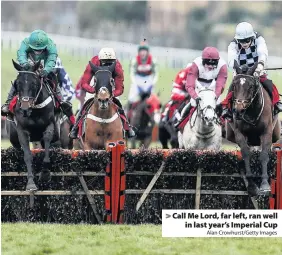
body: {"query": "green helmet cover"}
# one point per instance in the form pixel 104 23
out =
pixel 143 47
pixel 38 40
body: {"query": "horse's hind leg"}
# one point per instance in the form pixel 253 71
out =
pixel 24 141
pixel 266 141
pixel 246 154
pixel 47 137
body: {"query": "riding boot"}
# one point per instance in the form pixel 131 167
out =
pixel 274 94
pixel 5 107
pixel 225 107
pixel 277 108
pixel 184 114
pixel 74 131
pixel 127 127
pixel 66 107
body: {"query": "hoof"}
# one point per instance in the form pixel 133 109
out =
pixel 45 176
pixel 265 188
pixel 31 187
pixel 264 193
pixel 253 190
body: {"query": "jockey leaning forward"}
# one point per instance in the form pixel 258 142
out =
pixel 248 48
pixel 39 47
pixel 106 57
pixel 143 73
pixel 208 70
pixel 179 95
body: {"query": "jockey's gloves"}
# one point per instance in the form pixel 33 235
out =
pixel 259 67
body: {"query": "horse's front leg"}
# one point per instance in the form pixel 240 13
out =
pixel 246 155
pixel 266 141
pixel 24 141
pixel 47 138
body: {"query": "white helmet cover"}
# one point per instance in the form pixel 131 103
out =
pixel 107 53
pixel 244 30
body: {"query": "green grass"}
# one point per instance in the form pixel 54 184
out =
pixel 39 239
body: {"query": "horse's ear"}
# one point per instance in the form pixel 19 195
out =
pixel 17 66
pixel 94 68
pixel 237 67
pixel 112 67
pixel 36 66
pixel 252 69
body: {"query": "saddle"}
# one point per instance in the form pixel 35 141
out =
pixel 186 119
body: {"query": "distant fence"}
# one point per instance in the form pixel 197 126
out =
pixel 168 57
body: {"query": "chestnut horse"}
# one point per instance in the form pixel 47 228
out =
pixel 102 121
pixel 253 123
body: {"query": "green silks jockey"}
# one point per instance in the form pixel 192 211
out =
pixel 38 47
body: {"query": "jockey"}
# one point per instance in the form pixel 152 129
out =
pixel 39 47
pixel 209 70
pixel 143 72
pixel 248 48
pixel 106 57
pixel 179 93
pixel 64 81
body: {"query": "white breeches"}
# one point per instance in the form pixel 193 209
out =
pixel 144 82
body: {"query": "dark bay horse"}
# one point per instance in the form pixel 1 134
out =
pixel 142 118
pixel 34 120
pixel 167 131
pixel 253 123
pixel 65 141
pixel 103 123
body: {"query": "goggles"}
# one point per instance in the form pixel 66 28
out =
pixel 107 62
pixel 210 62
pixel 247 40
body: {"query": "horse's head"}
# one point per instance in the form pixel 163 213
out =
pixel 104 83
pixel 28 86
pixel 207 105
pixel 245 87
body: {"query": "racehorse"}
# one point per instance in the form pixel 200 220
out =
pixel 102 123
pixel 65 141
pixel 34 120
pixel 253 123
pixel 141 116
pixel 203 131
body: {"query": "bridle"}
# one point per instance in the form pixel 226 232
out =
pixel 247 103
pixel 112 81
pixel 203 110
pixel 27 99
